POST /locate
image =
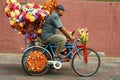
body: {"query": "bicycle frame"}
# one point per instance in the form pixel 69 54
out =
pixel 72 48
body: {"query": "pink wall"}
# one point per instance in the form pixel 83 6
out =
pixel 101 18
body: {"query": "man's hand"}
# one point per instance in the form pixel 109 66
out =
pixel 71 39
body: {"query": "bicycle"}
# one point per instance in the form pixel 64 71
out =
pixel 84 61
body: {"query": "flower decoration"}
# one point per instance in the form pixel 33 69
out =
pixel 36 61
pixel 83 35
pixel 21 17
pixel 50 5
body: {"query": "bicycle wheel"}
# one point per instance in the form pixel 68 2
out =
pixel 81 67
pixel 26 56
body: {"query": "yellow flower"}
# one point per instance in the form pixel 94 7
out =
pixel 27 16
pixel 48 12
pixel 17 12
pixel 14 19
pixel 83 35
pixel 80 32
pixel 8 1
pixel 13 1
pixel 32 18
pixel 19 32
pixel 29 13
pixel 39 31
pixel 41 6
pixel 12 14
pixel 21 25
pixel 12 22
pixel 7 10
pixel 30 4
pixel 43 15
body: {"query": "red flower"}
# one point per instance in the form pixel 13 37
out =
pixel 39 16
pixel 27 7
pixel 27 21
pixel 12 7
pixel 35 6
pixel 30 38
pixel 23 32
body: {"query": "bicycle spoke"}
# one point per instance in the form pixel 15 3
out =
pixel 81 67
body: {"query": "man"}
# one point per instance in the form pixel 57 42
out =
pixel 50 31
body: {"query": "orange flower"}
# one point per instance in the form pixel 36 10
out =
pixel 36 61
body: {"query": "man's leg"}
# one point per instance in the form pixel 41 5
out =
pixel 59 40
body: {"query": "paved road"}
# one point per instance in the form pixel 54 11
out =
pixel 11 69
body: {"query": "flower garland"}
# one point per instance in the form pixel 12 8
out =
pixel 83 35
pixel 50 5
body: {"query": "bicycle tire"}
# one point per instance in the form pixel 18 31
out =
pixel 92 55
pixel 27 52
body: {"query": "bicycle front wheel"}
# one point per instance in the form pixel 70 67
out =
pixel 83 68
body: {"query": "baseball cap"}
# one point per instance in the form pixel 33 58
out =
pixel 60 7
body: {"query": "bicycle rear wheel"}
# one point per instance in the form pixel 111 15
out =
pixel 29 63
pixel 81 67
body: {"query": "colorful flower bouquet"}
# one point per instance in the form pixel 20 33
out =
pixel 24 19
pixel 27 19
pixel 83 35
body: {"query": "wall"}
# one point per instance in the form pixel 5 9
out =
pixel 101 18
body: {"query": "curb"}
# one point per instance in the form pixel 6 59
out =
pixel 10 54
pixel 99 53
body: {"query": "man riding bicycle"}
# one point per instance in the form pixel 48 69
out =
pixel 50 31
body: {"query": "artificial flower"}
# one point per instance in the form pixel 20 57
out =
pixel 20 16
pixel 43 15
pixel 36 61
pixel 12 14
pixel 30 4
pixel 12 22
pixel 83 35
pixel 19 32
pixel 39 31
pixel 32 18
pixel 21 25
pixel 7 10
pixel 17 12
pixel 27 16
pixel 13 1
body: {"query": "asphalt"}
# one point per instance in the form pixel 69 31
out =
pixel 11 69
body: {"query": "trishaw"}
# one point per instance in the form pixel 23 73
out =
pixel 39 57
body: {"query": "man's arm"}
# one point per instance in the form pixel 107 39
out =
pixel 66 33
